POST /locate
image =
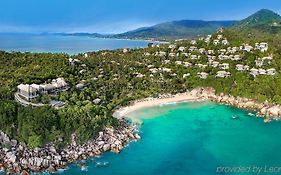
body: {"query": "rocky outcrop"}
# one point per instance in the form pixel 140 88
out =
pixel 16 158
pixel 267 110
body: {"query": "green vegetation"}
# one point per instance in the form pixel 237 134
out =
pixel 38 126
pixel 264 21
pixel 112 77
pixel 177 29
pixel 118 78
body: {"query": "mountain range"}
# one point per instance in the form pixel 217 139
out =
pixel 262 22
pixel 177 29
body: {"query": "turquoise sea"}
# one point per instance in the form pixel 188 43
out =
pixel 193 138
pixel 66 44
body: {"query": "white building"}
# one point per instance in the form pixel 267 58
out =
pixel 202 50
pixel 223 74
pixel 34 90
pixel 192 48
pixel 146 54
pixel 259 62
pixel 166 61
pixel 240 67
pixel 182 49
pixel 194 57
pixel 271 71
pixel 263 47
pixel 262 72
pixel 254 72
pixel 178 62
pixel 210 52
pixel 224 57
pixel 193 42
pixel 246 67
pixel 161 54
pixel 186 75
pixel 225 42
pixel 216 42
pixel 214 64
pixel 172 46
pixel 172 54
pixel 222 51
pixel 224 66
pixel 219 37
pixel 236 58
pixel 246 48
pixel 187 64
pixel 202 75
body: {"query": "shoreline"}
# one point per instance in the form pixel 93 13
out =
pixel 17 158
pixel 20 159
pixel 266 110
pixel 150 102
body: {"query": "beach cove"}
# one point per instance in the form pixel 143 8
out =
pixel 195 137
pixel 149 109
pixel 189 133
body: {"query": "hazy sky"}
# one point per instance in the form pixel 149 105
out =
pixel 114 16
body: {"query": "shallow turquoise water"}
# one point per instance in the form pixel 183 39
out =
pixel 66 44
pixel 192 139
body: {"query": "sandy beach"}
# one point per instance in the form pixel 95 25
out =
pixel 149 102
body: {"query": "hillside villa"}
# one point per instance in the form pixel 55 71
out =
pixel 32 91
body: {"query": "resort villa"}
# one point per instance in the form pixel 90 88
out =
pixel 223 74
pixel 263 47
pixel 202 75
pixel 32 91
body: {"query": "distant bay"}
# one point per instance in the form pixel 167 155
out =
pixel 65 44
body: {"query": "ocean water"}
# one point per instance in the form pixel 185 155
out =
pixel 194 138
pixel 66 44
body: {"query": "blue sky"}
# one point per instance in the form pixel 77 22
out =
pixel 114 16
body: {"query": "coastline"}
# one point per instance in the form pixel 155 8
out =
pixel 266 110
pixel 150 102
pixel 19 159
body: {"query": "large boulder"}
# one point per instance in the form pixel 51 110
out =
pixel 137 136
pixel 11 157
pixel 106 147
pixel 38 161
pixel 24 172
pixel 263 111
pixel 249 104
pixel 274 111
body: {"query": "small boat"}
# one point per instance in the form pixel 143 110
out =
pixel 250 114
pixel 234 117
pixel 84 168
pixel 267 120
pixel 98 164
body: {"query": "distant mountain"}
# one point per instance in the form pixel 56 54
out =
pixel 263 21
pixel 177 29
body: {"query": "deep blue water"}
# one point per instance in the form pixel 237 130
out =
pixel 192 139
pixel 66 44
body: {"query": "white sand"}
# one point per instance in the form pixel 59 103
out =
pixel 149 102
